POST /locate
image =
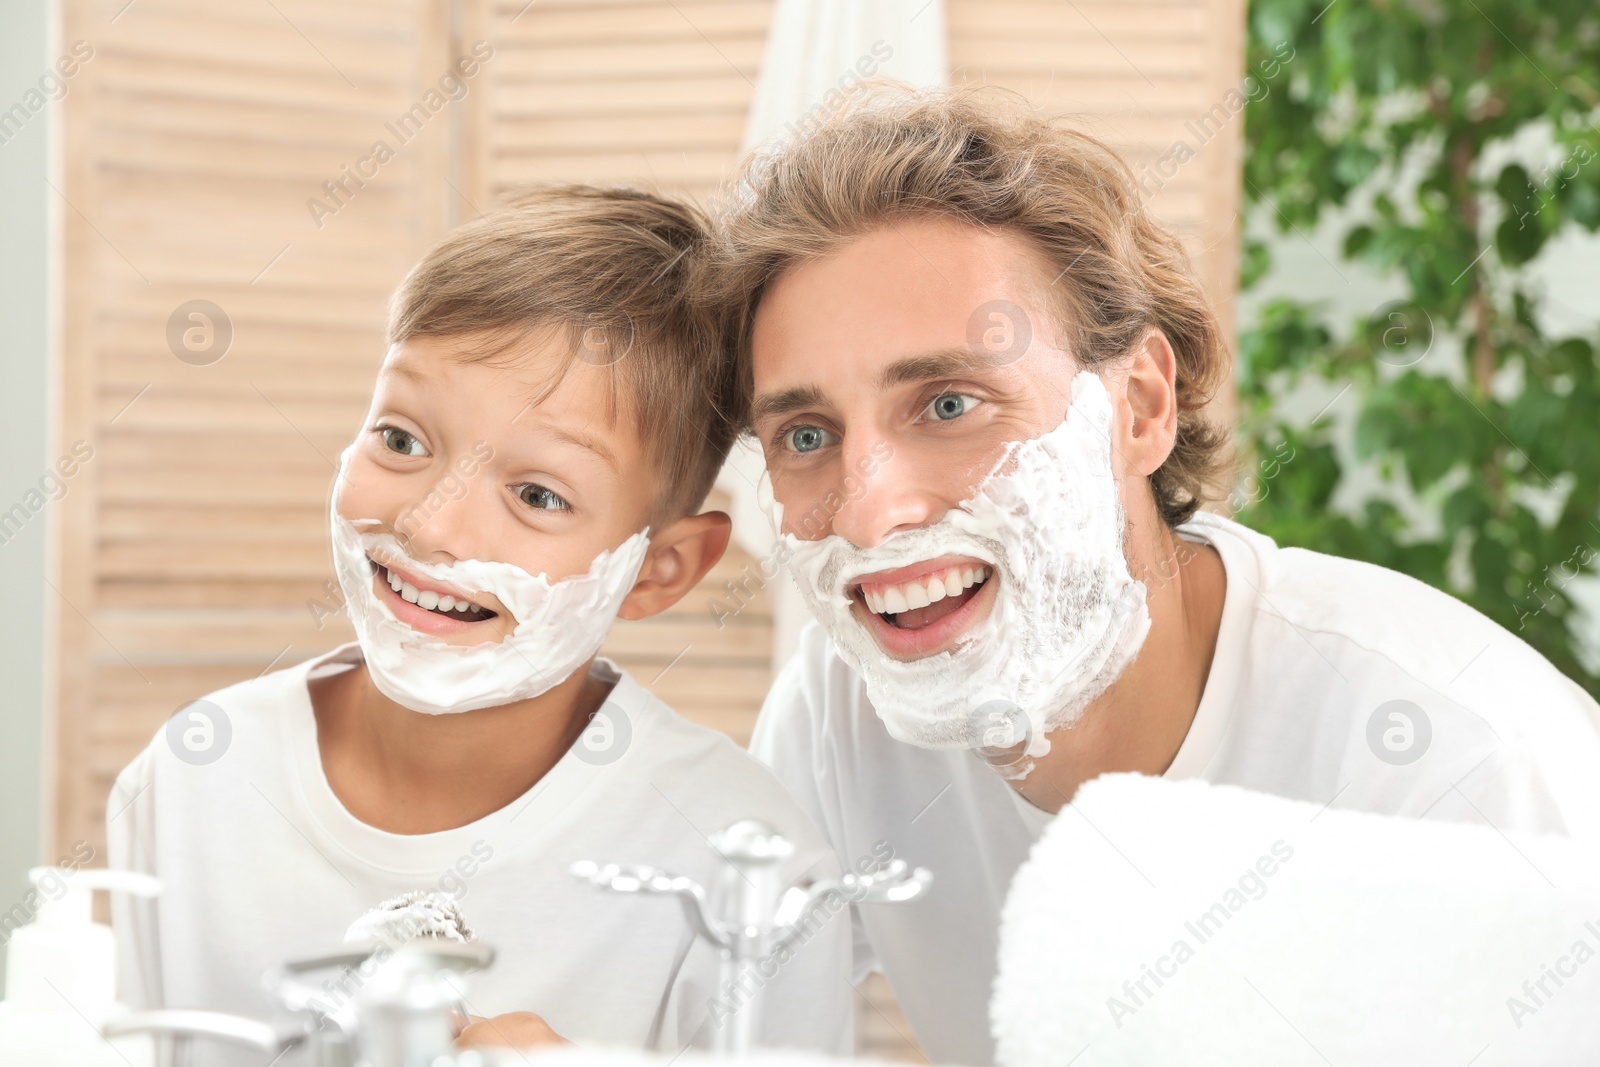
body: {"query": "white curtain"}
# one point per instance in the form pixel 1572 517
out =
pixel 818 50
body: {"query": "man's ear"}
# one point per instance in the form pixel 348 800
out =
pixel 1152 398
pixel 679 556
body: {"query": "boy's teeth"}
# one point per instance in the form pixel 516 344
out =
pixel 427 598
pixel 893 599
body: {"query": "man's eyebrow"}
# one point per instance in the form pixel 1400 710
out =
pixel 945 363
pixel 774 404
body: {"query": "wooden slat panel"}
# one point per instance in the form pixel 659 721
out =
pixel 638 22
pixel 196 535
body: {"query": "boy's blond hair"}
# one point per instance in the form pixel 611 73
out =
pixel 617 273
pixel 981 156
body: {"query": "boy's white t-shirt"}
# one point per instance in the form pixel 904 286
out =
pixel 263 864
pixel 1311 652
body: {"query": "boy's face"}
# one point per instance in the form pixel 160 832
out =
pixel 462 460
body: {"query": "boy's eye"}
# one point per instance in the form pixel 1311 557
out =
pixel 805 438
pixel 947 406
pixel 540 498
pixel 399 441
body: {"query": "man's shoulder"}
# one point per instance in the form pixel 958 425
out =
pixel 1348 607
pixel 817 713
pixel 815 686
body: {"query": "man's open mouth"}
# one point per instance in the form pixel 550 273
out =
pixel 920 602
pixel 448 605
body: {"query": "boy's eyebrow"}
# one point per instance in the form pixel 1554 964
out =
pixel 586 441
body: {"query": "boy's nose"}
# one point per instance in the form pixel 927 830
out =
pixel 443 524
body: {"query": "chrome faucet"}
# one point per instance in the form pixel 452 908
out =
pixel 401 1013
pixel 748 916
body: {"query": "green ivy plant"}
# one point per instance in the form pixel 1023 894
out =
pixel 1399 105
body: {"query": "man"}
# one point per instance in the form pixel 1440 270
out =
pixel 979 372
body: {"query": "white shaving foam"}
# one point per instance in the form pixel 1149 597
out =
pixel 1067 618
pixel 559 625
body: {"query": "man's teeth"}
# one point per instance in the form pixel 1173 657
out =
pixel 427 598
pixel 929 589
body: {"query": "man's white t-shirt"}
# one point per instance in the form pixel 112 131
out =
pixel 1312 653
pixel 263 864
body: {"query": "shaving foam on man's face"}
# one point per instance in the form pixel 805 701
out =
pixel 453 492
pixel 1040 543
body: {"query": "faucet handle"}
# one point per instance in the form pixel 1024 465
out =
pixel 643 879
pixel 234 1029
pixel 896 883
pixel 288 982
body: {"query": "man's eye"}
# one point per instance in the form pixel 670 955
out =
pixel 806 438
pixel 947 406
pixel 540 498
pixel 399 441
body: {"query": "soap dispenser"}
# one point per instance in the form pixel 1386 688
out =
pixel 61 976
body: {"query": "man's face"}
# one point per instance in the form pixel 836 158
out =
pixel 889 377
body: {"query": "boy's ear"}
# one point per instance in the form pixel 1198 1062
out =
pixel 679 556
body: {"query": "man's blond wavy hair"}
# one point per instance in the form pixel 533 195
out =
pixel 981 155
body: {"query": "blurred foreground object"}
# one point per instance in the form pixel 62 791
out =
pixel 1161 922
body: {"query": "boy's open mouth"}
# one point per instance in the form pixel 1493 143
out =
pixel 445 604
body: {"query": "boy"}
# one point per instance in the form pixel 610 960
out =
pixel 543 431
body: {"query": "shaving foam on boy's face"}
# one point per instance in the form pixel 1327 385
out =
pixel 558 626
pixel 1039 544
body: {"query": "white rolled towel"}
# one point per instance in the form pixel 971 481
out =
pixel 1160 922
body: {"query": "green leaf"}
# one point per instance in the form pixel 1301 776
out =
pixel 1357 241
pixel 1518 239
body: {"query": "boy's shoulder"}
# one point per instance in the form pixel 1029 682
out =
pixel 250 721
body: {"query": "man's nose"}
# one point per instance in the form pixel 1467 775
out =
pixel 886 489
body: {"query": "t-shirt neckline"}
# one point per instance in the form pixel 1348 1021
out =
pixel 1241 580
pixel 431 853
